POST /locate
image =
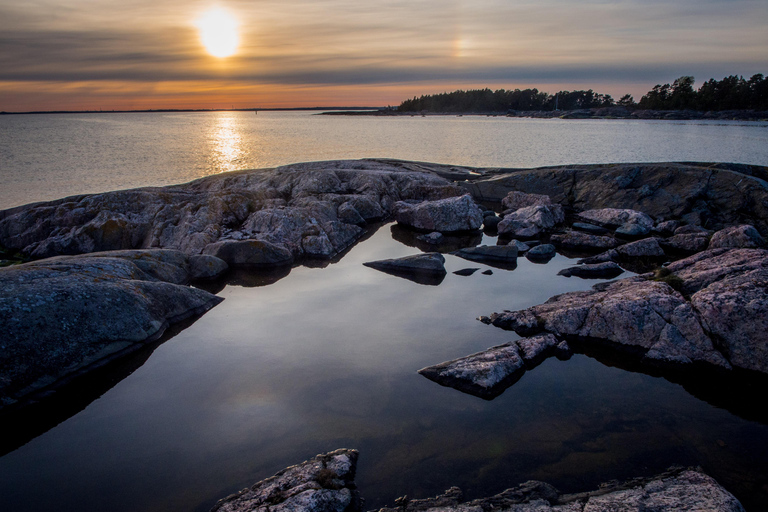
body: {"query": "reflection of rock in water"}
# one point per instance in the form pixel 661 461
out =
pixel 449 243
pixel 38 414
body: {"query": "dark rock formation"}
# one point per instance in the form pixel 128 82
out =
pixel 487 374
pixel 252 253
pixel 678 489
pixel 324 483
pixel 426 268
pixel 61 316
pixel 465 272
pixel 720 194
pixel 541 253
pixel 685 243
pixel 310 210
pixel 531 221
pixel 590 228
pixel 617 217
pixel 607 270
pixel 444 215
pixel 724 323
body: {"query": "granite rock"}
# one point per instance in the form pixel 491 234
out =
pixel 583 241
pixel 606 270
pixel 444 215
pixel 744 236
pixel 531 221
pixel 516 200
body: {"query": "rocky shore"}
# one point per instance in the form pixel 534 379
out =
pixel 108 273
pixel 325 483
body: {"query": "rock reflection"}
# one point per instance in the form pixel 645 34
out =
pixel 449 243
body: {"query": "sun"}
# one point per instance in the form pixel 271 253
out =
pixel 218 32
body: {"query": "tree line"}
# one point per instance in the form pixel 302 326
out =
pixel 730 93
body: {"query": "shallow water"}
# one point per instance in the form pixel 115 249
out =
pixel 48 156
pixel 327 358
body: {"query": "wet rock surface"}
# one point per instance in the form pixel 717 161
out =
pixel 426 268
pixel 62 315
pixel 324 483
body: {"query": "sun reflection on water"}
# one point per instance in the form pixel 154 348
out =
pixel 226 144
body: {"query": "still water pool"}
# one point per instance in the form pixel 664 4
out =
pixel 327 358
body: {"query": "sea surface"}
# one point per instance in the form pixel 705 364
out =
pixel 295 364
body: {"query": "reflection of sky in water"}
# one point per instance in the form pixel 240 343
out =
pixel 327 358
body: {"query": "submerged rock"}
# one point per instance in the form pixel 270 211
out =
pixel 444 215
pixel 488 373
pixel 324 483
pixel 63 315
pixel 426 268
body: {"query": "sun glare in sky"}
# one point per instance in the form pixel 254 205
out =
pixel 218 32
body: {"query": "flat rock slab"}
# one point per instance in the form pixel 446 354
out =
pixel 585 241
pixel 607 270
pixel 62 315
pixel 488 373
pixel 426 268
pixel 324 483
pixel 516 200
pixel 489 253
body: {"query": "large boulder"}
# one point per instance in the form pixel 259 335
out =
pixel 617 217
pixel 63 315
pixel 252 253
pixel 444 215
pixel 531 221
pixel 516 200
pixel 744 236
pixel 324 483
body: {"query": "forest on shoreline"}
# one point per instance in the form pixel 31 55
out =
pixel 731 93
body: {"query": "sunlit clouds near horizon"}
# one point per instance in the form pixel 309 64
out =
pixel 92 54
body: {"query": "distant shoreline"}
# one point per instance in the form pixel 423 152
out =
pixel 592 113
pixel 176 110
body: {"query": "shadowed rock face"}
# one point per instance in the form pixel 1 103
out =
pixel 324 483
pixel 62 314
pixel 311 210
pixel 426 268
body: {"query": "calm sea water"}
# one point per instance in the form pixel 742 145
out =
pixel 45 157
pixel 327 357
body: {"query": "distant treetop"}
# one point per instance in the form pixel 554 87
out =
pixel 730 93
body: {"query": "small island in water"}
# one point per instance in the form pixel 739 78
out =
pixel 90 279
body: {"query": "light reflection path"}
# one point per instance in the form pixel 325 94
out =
pixel 226 144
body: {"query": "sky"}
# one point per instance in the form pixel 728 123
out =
pixel 143 54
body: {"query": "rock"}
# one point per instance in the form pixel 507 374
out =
pixel 688 243
pixel 466 271
pixel 489 253
pixel 617 217
pixel 444 215
pixel 692 229
pixel 730 193
pixel 312 209
pixel 541 253
pixel 62 316
pixel 516 200
pixel 531 221
pixel 487 374
pixel 252 253
pixel 491 223
pixel 639 256
pixel 744 236
pixel 607 270
pixel 666 228
pixel 204 266
pixel 433 238
pixel 583 241
pixel 677 489
pixel 632 230
pixel 590 228
pixel 634 313
pixel 426 268
pixel 488 272
pixel 646 248
pixel 522 247
pixel 324 483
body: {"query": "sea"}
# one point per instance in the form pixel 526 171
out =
pixel 317 358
